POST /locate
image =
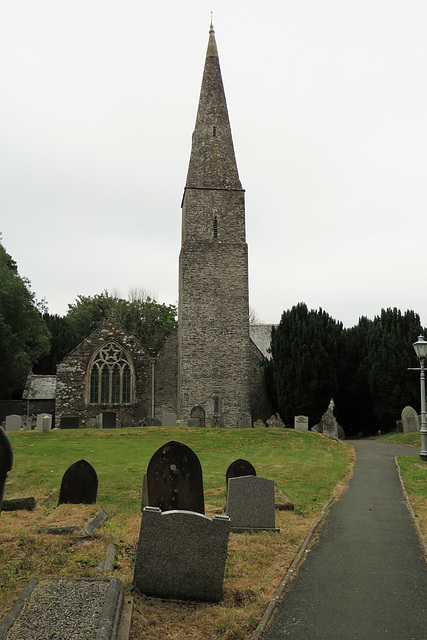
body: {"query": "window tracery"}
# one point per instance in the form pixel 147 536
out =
pixel 110 376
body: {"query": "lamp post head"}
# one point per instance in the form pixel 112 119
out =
pixel 420 347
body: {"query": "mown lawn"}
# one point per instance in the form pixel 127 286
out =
pixel 306 467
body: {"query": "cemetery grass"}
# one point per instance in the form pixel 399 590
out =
pixel 306 467
pixel 414 476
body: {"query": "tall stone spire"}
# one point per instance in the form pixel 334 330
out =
pixel 212 161
pixel 213 311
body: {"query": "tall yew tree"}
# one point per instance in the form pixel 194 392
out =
pixel 301 373
pixel 390 353
pixel 23 333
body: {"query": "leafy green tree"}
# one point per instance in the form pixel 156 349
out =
pixel 23 333
pixel 302 373
pixel 151 322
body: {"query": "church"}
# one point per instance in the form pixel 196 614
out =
pixel 209 371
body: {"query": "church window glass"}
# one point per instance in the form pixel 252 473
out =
pixel 110 376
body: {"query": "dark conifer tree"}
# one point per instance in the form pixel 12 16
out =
pixel 301 372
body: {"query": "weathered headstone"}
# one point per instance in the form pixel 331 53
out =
pixel 301 423
pixel 174 479
pixel 250 504
pixel 238 468
pixel 169 420
pixel 40 420
pixel 13 422
pixel 69 422
pixel 79 484
pixel 140 416
pixel 328 423
pixel 181 555
pixel 6 461
pixel 410 420
pixel 93 423
pixel 66 608
pixel 108 419
pixel 275 422
pixel 244 420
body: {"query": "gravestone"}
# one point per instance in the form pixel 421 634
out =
pixel 410 420
pixel 79 484
pixel 174 479
pixel 40 421
pixel 13 422
pixel 181 555
pixel 93 423
pixel 69 422
pixel 140 416
pixel 238 468
pixel 144 499
pixel 66 608
pixel 301 423
pixel 169 420
pixel 275 422
pixel 6 461
pixel 328 423
pixel 108 419
pixel 244 420
pixel 250 504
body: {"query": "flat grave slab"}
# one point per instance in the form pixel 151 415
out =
pixel 65 609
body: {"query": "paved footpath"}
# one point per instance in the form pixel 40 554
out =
pixel 366 576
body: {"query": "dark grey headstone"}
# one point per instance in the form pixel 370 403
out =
pixel 108 419
pixel 250 504
pixel 69 422
pixel 174 479
pixel 238 468
pixel 79 484
pixel 181 555
pixel 6 461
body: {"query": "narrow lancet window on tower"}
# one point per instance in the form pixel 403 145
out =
pixel 214 131
pixel 215 227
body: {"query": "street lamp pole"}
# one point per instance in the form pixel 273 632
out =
pixel 420 347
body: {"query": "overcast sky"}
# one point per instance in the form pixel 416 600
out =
pixel 328 108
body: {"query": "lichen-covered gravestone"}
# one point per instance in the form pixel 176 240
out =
pixel 174 479
pixel 6 461
pixel 410 420
pixel 79 484
pixel 238 468
pixel 181 555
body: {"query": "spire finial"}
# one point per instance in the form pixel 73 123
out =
pixel 211 21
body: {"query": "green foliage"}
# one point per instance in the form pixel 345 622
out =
pixel 148 320
pixel 63 339
pixel 390 353
pixel 23 333
pixel 301 374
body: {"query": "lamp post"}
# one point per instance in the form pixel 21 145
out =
pixel 420 347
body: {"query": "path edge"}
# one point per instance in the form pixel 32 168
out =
pixel 289 574
pixel 420 533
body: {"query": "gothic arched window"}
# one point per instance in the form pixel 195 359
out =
pixel 110 376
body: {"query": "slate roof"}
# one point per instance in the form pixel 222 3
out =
pixel 260 334
pixel 40 388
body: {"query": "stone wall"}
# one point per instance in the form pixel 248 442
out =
pixel 166 377
pixel 262 406
pixel 73 377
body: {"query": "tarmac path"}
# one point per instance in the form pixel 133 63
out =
pixel 365 578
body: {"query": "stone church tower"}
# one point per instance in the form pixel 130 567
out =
pixel 214 357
